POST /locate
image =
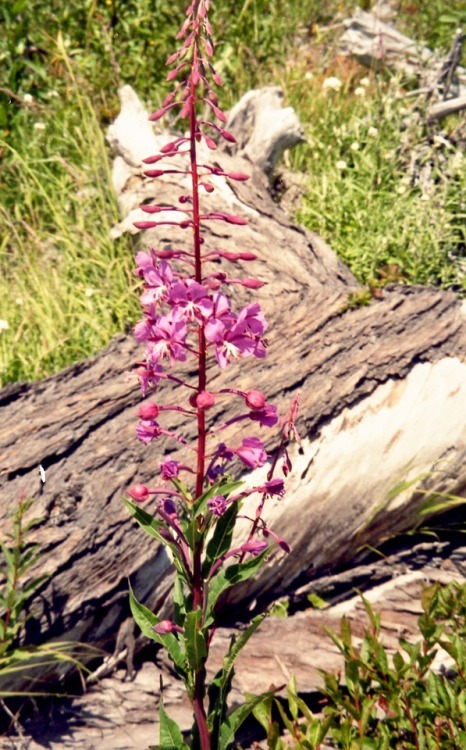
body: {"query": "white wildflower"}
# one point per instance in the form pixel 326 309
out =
pixel 401 189
pixel 39 126
pixel 340 164
pixel 89 292
pixel 359 91
pixel 27 98
pixel 354 146
pixel 364 81
pixel 372 132
pixel 332 84
pixel 4 325
pixel 308 75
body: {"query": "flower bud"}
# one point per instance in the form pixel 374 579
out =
pixel 254 399
pixel 166 626
pixel 203 400
pixel 148 410
pixel 252 283
pixel 139 493
pixel 254 547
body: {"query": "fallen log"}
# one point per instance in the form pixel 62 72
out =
pixel 376 45
pixel 383 415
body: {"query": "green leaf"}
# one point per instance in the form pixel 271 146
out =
pixel 292 694
pixel 398 662
pixel 263 713
pixel 230 727
pixel 345 629
pixel 335 638
pixel 196 646
pixel 221 539
pixel 373 616
pixel 146 620
pixel 316 601
pixel 152 526
pixel 232 575
pixel 179 605
pixel 171 737
pixel 318 730
pixel 220 684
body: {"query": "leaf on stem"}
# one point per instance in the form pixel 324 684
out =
pixel 231 575
pixel 230 727
pixel 146 620
pixel 221 539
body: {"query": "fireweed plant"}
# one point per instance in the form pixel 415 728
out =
pixel 188 314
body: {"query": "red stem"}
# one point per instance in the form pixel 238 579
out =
pixel 198 584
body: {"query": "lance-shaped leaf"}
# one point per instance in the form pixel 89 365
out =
pixel 220 542
pixel 221 684
pixel 146 620
pixel 171 737
pixel 196 646
pixel 230 726
pixel 231 575
pixel 158 530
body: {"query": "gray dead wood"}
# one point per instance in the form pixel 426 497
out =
pixel 124 714
pixel 383 402
pixel 377 45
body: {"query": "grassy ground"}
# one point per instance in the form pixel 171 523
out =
pixel 65 289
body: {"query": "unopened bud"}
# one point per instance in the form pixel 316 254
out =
pixel 148 410
pixel 203 400
pixel 252 283
pixel 166 626
pixel 139 493
pixel 255 399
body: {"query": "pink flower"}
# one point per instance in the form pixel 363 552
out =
pixel 169 469
pixel 252 452
pixel 254 547
pixel 240 338
pixel 168 338
pixel 217 505
pixel 266 416
pixel 192 299
pixel 273 487
pixel 157 277
pixel 148 430
pixel 149 377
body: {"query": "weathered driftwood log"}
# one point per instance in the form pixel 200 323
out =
pixel 124 713
pixel 376 44
pixel 383 403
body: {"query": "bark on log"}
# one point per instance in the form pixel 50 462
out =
pixel 383 402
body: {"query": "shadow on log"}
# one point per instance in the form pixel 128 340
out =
pixel 383 408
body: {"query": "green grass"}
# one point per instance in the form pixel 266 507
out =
pixel 65 288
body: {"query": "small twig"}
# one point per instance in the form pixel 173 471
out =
pixel 24 102
pixel 449 66
pixel 16 723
